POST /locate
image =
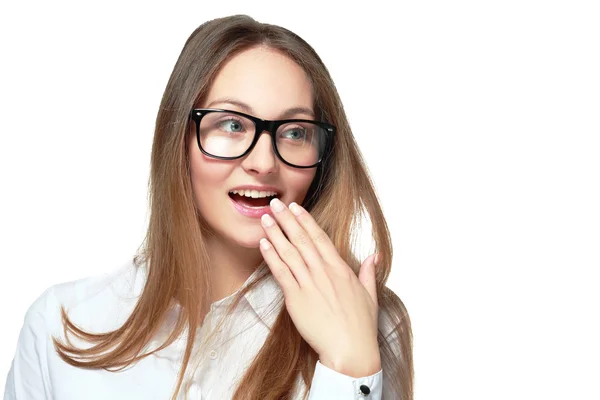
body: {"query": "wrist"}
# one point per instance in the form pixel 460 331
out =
pixel 355 368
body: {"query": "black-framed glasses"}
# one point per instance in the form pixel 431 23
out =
pixel 228 135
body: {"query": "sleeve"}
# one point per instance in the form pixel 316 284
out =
pixel 28 375
pixel 328 384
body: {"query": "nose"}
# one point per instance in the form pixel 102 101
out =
pixel 262 160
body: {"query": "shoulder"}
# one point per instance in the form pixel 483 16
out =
pixel 96 302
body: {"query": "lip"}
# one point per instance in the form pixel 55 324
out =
pixel 252 212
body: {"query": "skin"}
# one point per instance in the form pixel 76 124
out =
pixel 334 310
pixel 269 84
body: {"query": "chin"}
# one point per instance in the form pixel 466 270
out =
pixel 248 238
pixel 250 244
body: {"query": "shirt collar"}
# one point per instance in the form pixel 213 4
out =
pixel 266 298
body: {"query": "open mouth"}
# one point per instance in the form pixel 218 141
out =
pixel 252 198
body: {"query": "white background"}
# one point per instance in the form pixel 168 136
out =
pixel 479 121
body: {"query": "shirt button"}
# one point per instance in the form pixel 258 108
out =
pixel 364 390
pixel 213 355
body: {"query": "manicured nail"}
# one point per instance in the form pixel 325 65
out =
pixel 277 205
pixel 295 209
pixel 264 243
pixel 267 220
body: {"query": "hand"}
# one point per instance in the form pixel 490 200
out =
pixel 333 310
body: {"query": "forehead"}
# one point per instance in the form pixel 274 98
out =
pixel 265 79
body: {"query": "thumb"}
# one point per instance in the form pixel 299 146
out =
pixel 366 276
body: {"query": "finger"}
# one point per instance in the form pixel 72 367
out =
pixel 296 234
pixel 319 237
pixel 278 268
pixel 286 251
pixel 366 276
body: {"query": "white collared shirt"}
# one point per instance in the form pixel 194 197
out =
pixel 103 303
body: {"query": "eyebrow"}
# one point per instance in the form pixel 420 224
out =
pixel 290 112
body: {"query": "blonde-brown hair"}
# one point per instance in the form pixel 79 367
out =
pixel 174 249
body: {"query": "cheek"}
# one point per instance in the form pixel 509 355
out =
pixel 298 181
pixel 207 176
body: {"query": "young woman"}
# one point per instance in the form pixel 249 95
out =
pixel 246 286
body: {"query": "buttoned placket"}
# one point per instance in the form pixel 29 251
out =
pixel 200 385
pixel 194 388
pixel 195 391
pixel 210 356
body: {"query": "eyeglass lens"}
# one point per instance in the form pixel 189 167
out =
pixel 225 134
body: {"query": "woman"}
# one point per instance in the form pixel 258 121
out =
pixel 238 292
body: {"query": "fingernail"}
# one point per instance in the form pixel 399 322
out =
pixel 267 220
pixel 376 259
pixel 277 205
pixel 264 243
pixel 295 209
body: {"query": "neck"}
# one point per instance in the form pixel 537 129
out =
pixel 231 266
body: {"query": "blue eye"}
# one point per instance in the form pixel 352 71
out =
pixel 232 125
pixel 295 133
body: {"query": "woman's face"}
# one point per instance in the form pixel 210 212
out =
pixel 264 83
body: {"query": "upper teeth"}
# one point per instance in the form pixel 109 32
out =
pixel 253 193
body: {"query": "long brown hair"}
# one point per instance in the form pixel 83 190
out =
pixel 174 249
